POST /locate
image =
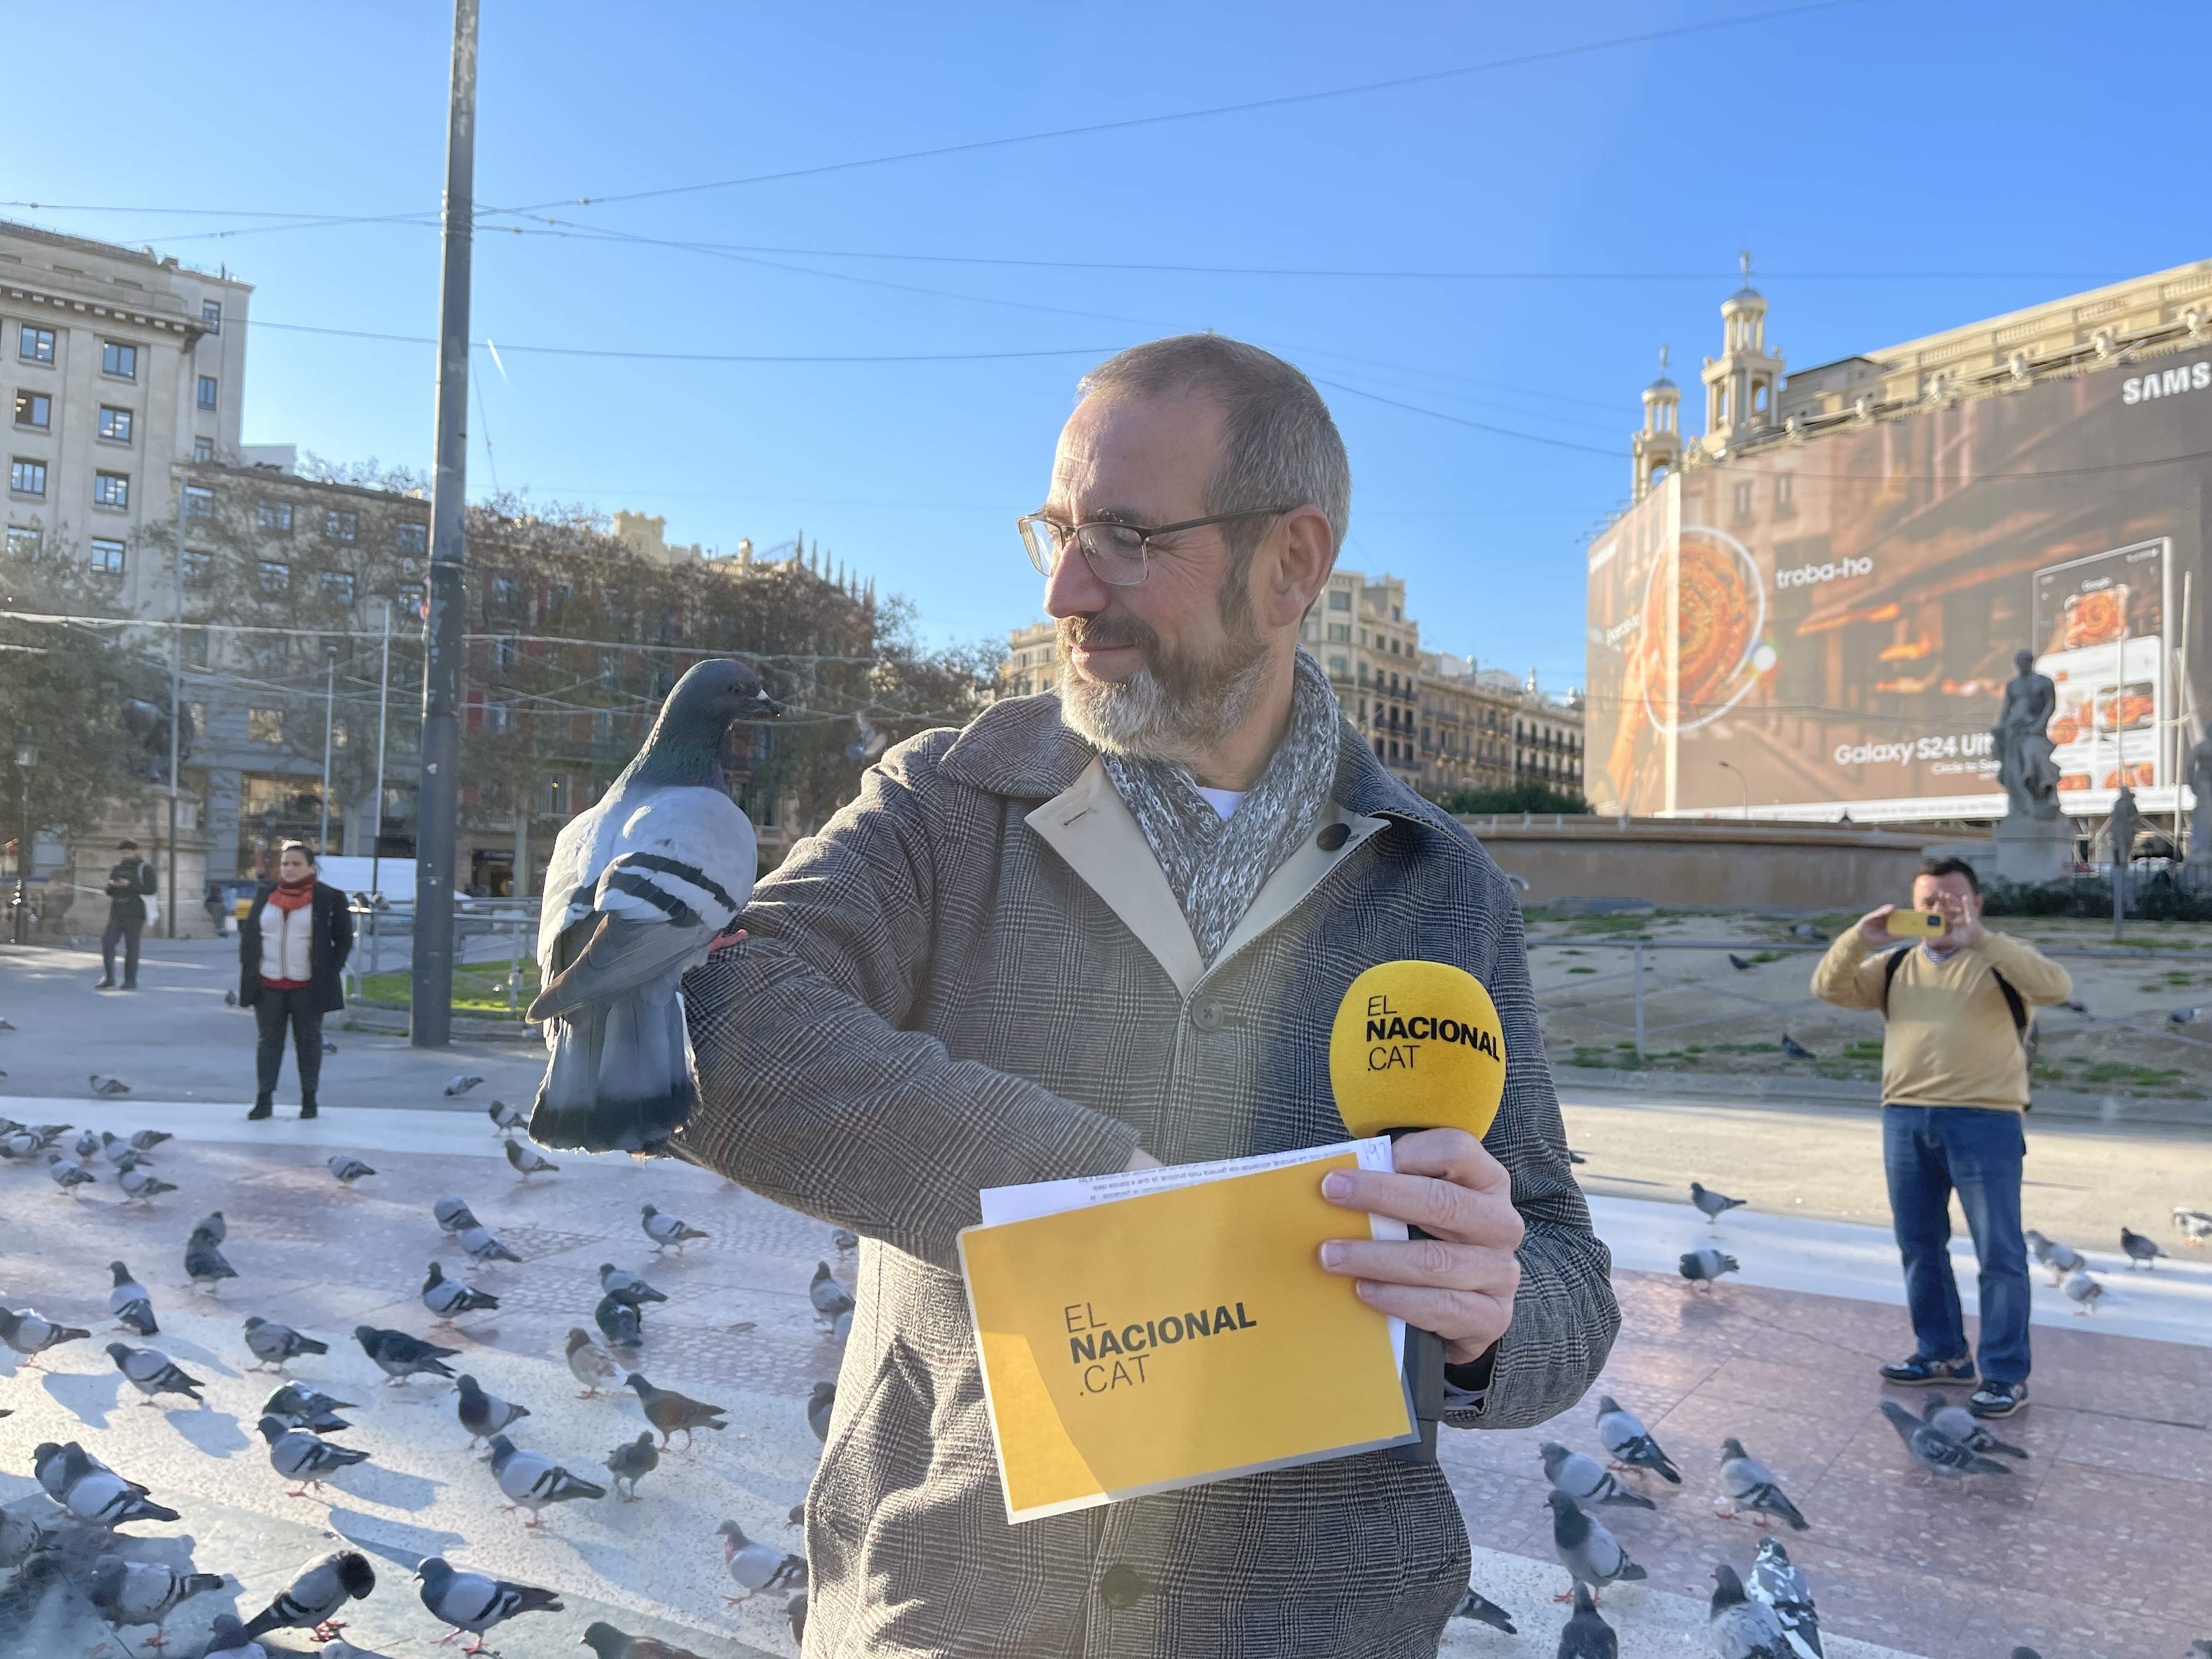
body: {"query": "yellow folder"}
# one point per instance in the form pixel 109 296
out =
pixel 1176 1338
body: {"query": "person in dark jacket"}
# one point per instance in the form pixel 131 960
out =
pixel 292 947
pixel 129 883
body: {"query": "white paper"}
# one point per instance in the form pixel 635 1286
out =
pixel 1002 1203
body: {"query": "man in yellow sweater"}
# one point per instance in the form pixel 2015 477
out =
pixel 1954 1082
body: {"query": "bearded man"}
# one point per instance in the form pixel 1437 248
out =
pixel 1111 926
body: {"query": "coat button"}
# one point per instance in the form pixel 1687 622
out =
pixel 1206 1014
pixel 1123 1586
pixel 1331 837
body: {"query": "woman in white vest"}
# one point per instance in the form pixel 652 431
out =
pixel 292 949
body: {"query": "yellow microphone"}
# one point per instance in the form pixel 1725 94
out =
pixel 1418 1045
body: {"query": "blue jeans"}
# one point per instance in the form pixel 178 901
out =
pixel 1929 1153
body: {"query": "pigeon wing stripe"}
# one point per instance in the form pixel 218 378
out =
pixel 691 872
pixel 637 886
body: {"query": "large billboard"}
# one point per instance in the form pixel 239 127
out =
pixel 1827 625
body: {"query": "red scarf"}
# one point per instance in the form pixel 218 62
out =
pixel 291 895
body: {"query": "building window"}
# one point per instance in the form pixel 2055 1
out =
pixel 199 569
pixel 1340 601
pixel 273 516
pixel 1782 492
pixel 23 544
pixel 26 477
pixel 211 314
pixel 203 449
pixel 412 538
pixel 1339 633
pixel 499 714
pixel 36 345
pixel 114 424
pixel 34 410
pixel 275 575
pixel 340 526
pixel 118 362
pixel 110 490
pixel 409 598
pixel 207 391
pixel 1743 500
pixel 106 556
pixel 504 652
pixel 338 585
pixel 199 501
pixel 555 798
pixel 264 725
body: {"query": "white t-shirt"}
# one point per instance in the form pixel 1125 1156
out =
pixel 1224 801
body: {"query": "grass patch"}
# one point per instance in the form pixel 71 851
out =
pixel 1744 1047
pixel 1631 927
pixel 1582 970
pixel 2121 1070
pixel 479 988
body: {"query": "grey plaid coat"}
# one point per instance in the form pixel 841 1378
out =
pixel 976 976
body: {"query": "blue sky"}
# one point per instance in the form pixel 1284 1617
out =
pixel 2014 143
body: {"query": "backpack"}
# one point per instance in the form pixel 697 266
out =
pixel 2023 1026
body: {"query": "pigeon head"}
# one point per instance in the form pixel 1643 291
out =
pixel 733 1538
pixel 685 745
pixel 437 1272
pixel 820 1272
pixel 467 1385
pixel 648 1213
pixel 1731 1447
pixel 119 1351
pixel 1553 1454
pixel 636 1380
pixel 1728 1589
pixel 356 1574
pixel 273 1428
pixel 1771 1552
pixel 605 1640
pixel 577 1338
pixel 434 1573
pixel 121 1273
pixel 1606 1403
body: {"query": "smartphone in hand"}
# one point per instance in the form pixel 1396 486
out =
pixel 1918 924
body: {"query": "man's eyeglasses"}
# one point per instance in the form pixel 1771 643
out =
pixel 1118 554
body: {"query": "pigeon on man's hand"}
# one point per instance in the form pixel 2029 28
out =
pixel 153 1373
pixel 640 887
pixel 302 1455
pixel 632 1461
pixel 1586 1635
pixel 588 1363
pixel 1590 1554
pixel 2060 1259
pixel 1705 1267
pixel 533 1481
pixel 274 1345
pixel 458 1085
pixel 1748 1484
pixel 1935 1450
pixel 347 1168
pixel 626 1286
pixel 142 1592
pixel 2140 1251
pixel 401 1356
pixel 30 1333
pixel 140 1186
pixel 505 1119
pixel 1713 1204
pixel 129 1306
pixel 674 1413
pixel 1968 1429
pixel 665 1230
pixel 318 1590
pixel 1630 1444
pixel 1581 1479
pixel 758 1568
pixel 449 1298
pixel 1779 1583
pixel 527 1162
pixel 1739 1627
pixel 481 1415
pixel 473 1602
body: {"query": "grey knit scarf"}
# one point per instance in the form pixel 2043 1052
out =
pixel 1215 867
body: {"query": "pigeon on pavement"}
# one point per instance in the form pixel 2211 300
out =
pixel 758 1568
pixel 794 1611
pixel 2186 1016
pixel 145 1141
pixel 107 1088
pixel 306 1408
pixel 533 1481
pixel 1933 1449
pixel 1712 1203
pixel 129 1306
pixel 819 1408
pixel 401 1356
pixel 449 1298
pixel 1482 1610
pixel 302 1456
pixel 1740 964
pixel 214 1226
pixel 104 1498
pixel 626 1286
pixel 457 1086
pixel 1968 1429
pixel 639 886
pixel 505 1119
pixel 1581 1479
pixel 1704 1266
pixel 57 1468
pixel 1586 1635
pixel 2083 1290
pixel 274 1345
pixel 843 1240
pixel 1748 1484
pixel 122 1154
pixel 2140 1251
pixel 204 1264
pixel 1624 1436
pixel 2060 1259
pixel 30 1333
pixel 153 1373
pixel 453 1215
pixel 1795 1049
pixel 68 1175
pixel 2195 1225
pixel 347 1168
pixel 829 1296
pixel 483 1248
pixel 142 1592
pixel 141 1188
pixel 473 1602
pixel 631 1461
pixel 1779 1583
pixel 481 1415
pixel 527 1161
pixel 1806 930
pixel 1740 1628
pixel 227 1637
pixel 619 1323
pixel 588 1363
pixel 608 1643
pixel 671 1412
pixel 319 1589
pixel 87 1146
pixel 1590 1554
pixel 665 1230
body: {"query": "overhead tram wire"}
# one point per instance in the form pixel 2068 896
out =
pixel 695 356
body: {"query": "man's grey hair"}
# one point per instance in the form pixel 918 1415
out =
pixel 1280 448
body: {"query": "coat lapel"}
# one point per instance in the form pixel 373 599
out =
pixel 1089 825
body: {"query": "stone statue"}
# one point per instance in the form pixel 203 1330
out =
pixel 2200 779
pixel 2025 767
pixel 2123 825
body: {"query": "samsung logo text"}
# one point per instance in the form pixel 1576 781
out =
pixel 2169 383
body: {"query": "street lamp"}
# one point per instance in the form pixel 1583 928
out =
pixel 1743 784
pixel 27 757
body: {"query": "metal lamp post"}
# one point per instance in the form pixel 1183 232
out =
pixel 1742 783
pixel 27 757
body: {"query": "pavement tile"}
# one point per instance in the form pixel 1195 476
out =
pixel 2165 1450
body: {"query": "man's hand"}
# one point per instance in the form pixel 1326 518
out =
pixel 1873 926
pixel 1458 1282
pixel 1966 932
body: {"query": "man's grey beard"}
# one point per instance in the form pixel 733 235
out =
pixel 1174 708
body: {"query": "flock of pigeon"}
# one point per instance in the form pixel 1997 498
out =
pixel 75 1542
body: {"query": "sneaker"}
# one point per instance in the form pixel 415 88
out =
pixel 1920 1370
pixel 1997 1399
